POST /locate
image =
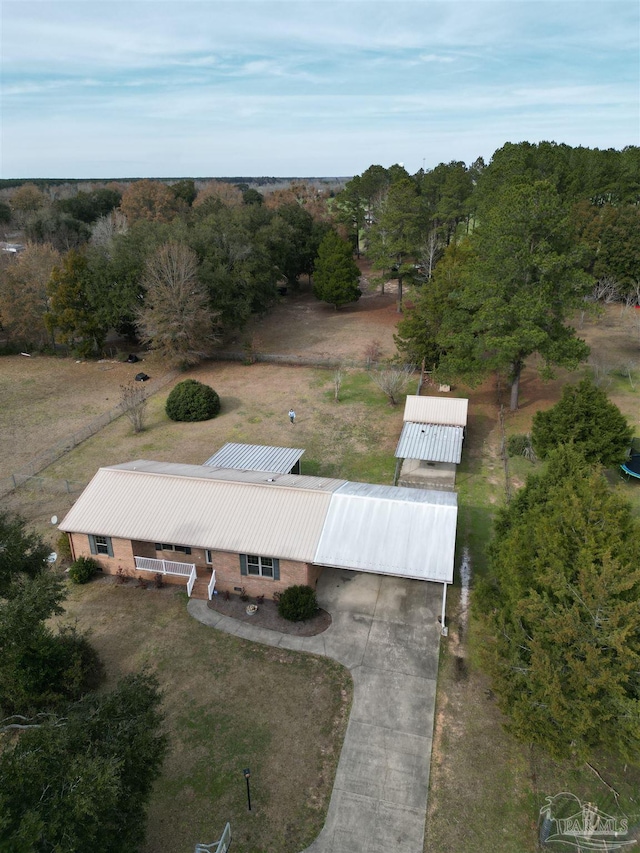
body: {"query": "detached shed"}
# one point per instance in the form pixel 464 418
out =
pixel 257 457
pixel 430 446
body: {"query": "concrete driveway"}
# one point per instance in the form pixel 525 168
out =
pixel 385 630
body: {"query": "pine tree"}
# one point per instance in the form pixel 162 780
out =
pixel 561 608
pixel 585 416
pixel 336 274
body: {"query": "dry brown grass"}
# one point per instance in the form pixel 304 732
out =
pixel 229 704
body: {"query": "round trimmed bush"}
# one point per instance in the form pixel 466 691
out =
pixel 191 400
pixel 83 569
pixel 298 603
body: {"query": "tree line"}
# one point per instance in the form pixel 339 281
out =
pixel 497 256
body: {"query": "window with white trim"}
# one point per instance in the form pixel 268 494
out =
pixel 260 566
pixel 208 555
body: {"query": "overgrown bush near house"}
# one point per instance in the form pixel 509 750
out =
pixel 83 569
pixel 63 546
pixel 298 603
pixel 191 400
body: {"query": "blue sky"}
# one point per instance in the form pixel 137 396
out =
pixel 304 88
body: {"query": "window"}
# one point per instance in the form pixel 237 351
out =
pixel 208 555
pixel 101 545
pixel 264 567
pixel 165 546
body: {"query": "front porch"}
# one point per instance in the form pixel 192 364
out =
pixel 197 587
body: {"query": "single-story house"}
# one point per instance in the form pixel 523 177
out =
pixel 257 457
pixel 430 445
pixel 219 529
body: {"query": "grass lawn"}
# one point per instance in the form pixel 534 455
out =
pixel 229 704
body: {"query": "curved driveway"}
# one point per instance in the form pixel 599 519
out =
pixel 385 630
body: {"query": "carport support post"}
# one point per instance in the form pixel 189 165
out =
pixel 444 604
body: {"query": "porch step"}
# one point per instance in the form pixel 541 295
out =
pixel 200 589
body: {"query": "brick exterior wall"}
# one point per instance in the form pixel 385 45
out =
pixel 226 565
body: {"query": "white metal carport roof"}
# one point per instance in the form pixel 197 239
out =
pixel 390 530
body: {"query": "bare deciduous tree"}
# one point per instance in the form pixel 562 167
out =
pixel 372 354
pixel 133 401
pixel 107 227
pixel 176 320
pixel 392 381
pixel 606 290
pixel 430 253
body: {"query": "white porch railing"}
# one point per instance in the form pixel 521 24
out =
pixel 212 584
pixel 165 567
pixel 191 581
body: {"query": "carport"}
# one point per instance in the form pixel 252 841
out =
pixel 390 530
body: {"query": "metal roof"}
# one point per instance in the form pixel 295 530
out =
pixel 275 519
pixel 430 442
pixel 450 411
pixel 391 530
pixel 204 472
pixel 255 457
pixel 384 529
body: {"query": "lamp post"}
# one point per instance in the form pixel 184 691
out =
pixel 246 773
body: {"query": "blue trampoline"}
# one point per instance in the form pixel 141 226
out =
pixel 632 466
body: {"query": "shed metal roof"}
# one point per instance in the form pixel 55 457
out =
pixel 449 411
pixel 384 529
pixel 255 457
pixel 430 442
pixel 390 530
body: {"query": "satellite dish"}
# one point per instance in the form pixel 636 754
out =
pixel 52 557
pixel 54 519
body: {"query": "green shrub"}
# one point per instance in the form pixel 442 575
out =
pixel 520 445
pixel 83 569
pixel 298 603
pixel 190 400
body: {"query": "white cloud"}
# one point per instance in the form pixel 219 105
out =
pixel 212 85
